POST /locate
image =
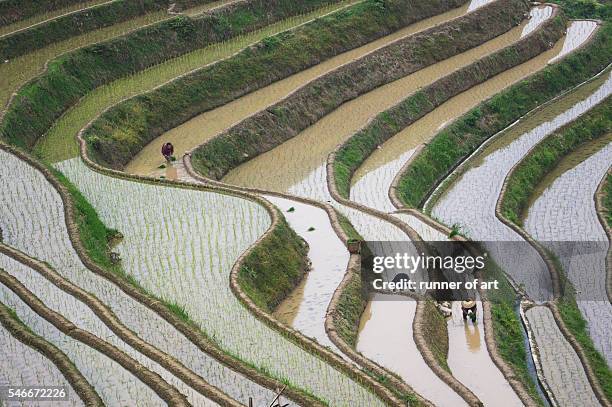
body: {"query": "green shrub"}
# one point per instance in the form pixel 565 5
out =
pixel 73 24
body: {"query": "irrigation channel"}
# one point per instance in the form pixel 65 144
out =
pixel 306 176
pixel 485 172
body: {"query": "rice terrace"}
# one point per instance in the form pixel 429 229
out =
pixel 282 203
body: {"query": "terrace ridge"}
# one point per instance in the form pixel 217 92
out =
pixel 22 333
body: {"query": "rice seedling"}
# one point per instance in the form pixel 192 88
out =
pixel 116 387
pixel 21 365
pixel 44 236
pixel 181 245
pixel 84 318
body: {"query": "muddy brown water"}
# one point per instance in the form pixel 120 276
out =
pixel 291 163
pixel 469 360
pixel 385 335
pixel 207 125
pixel 305 308
pixel 380 169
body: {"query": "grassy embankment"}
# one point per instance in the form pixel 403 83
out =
pixel 388 123
pixel 77 23
pixel 71 76
pixel 292 115
pixel 15 10
pixel 607 201
pixel 122 131
pixel 452 145
pixel 523 183
pixel 455 143
pixel 274 267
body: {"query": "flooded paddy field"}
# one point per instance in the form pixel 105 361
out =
pixel 565 211
pixel 304 173
pixel 180 245
pixel 379 170
pixel 119 387
pixel 37 228
pixel 322 137
pixel 487 171
pixel 83 317
pixel 59 143
pixel 21 365
pixel 207 125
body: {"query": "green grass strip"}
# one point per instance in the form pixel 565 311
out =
pixel 73 24
pixel 607 201
pixel 274 267
pixel 573 320
pixel 546 156
pixel 459 140
pixel 71 76
pixel 122 131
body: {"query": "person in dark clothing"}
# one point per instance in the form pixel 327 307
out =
pixel 469 309
pixel 167 151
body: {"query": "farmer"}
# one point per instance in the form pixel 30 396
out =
pixel 167 151
pixel 468 307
